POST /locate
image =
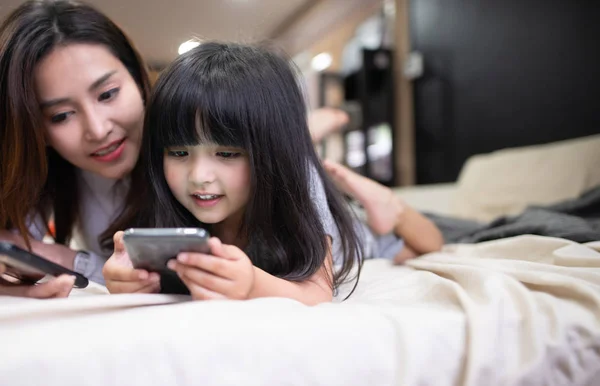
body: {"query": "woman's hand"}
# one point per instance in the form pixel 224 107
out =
pixel 120 275
pixel 56 253
pixel 12 238
pixel 226 273
pixel 59 287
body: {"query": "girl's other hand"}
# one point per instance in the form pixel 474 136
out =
pixel 227 273
pixel 120 275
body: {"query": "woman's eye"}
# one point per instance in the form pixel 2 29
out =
pixel 228 154
pixel 108 95
pixel 58 118
pixel 177 153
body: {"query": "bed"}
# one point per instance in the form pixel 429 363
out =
pixel 518 311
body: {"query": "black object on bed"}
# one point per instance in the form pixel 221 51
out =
pixel 577 220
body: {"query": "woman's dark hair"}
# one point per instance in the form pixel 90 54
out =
pixel 247 97
pixel 34 178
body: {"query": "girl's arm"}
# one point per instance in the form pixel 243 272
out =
pixel 228 273
pixel 314 290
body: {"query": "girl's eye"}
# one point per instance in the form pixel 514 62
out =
pixel 228 154
pixel 177 153
pixel 108 95
pixel 59 118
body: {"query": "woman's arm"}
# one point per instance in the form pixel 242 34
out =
pixel 56 288
pixel 56 253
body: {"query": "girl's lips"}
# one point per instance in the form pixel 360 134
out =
pixel 206 203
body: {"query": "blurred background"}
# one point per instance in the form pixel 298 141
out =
pixel 426 83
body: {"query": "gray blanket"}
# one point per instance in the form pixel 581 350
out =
pixel 577 220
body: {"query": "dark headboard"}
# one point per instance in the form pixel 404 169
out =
pixel 502 73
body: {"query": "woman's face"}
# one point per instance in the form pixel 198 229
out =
pixel 93 109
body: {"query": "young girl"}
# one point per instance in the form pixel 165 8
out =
pixel 227 148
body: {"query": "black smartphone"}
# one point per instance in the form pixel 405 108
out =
pixel 28 268
pixel 152 248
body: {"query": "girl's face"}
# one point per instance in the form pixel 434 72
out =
pixel 93 109
pixel 211 181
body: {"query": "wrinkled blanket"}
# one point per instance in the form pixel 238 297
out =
pixel 577 220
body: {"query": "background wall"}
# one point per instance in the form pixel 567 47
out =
pixel 502 74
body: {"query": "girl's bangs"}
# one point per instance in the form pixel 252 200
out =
pixel 191 111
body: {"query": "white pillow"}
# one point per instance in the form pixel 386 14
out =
pixel 505 182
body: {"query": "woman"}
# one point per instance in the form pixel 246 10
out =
pixel 72 92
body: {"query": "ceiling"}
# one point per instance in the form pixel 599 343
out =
pixel 158 27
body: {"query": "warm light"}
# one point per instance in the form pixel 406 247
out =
pixel 186 46
pixel 321 62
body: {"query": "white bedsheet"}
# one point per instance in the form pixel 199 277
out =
pixel 520 311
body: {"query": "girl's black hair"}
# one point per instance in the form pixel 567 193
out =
pixel 248 97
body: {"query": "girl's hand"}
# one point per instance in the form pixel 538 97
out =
pixel 227 273
pixel 120 275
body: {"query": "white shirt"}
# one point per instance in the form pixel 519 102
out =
pixel 100 202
